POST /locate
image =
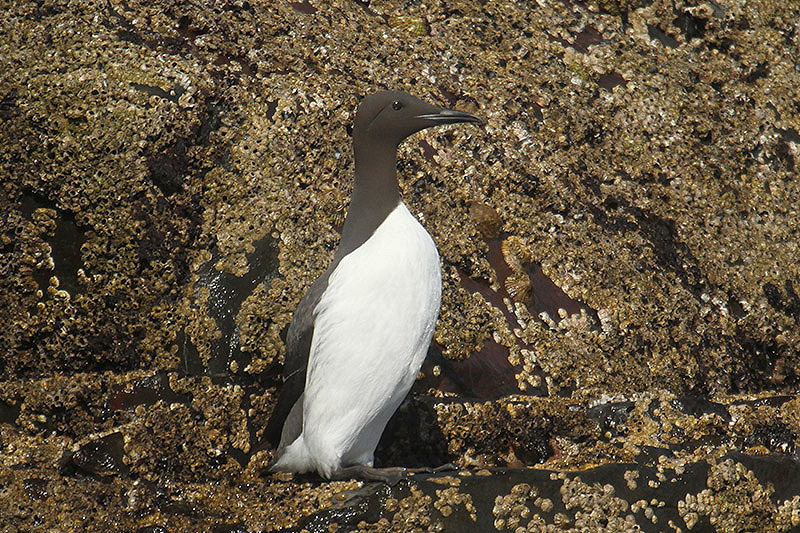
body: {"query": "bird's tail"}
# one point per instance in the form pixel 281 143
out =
pixel 293 458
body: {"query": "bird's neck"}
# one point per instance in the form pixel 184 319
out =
pixel 375 185
pixel 375 195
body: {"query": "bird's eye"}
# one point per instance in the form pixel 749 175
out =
pixel 397 105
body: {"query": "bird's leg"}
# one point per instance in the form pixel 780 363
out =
pixel 389 475
pixel 447 467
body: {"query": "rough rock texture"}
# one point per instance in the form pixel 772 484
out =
pixel 619 343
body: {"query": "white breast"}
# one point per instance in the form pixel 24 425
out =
pixel 372 329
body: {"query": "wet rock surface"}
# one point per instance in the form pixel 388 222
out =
pixel 618 347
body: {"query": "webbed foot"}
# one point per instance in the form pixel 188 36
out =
pixel 389 475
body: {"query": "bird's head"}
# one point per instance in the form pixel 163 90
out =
pixel 387 117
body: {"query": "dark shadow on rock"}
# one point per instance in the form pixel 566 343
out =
pixel 101 457
pixel 484 375
pixel 9 413
pixel 145 391
pixel 612 417
pixel 65 243
pixel 364 504
pixel 412 438
pixel 226 294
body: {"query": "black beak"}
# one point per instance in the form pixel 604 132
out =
pixel 449 116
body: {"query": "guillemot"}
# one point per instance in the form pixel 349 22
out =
pixel 361 332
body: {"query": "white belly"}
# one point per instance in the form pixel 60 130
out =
pixel 371 334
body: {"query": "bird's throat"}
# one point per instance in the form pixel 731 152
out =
pixel 375 195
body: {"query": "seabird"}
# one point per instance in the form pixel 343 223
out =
pixel 361 332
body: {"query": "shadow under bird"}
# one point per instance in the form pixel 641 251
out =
pixel 361 332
